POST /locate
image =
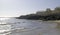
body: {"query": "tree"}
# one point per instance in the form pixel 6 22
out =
pixel 57 9
pixel 48 10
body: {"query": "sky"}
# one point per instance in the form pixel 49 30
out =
pixel 15 8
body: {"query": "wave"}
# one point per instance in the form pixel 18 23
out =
pixel 4 32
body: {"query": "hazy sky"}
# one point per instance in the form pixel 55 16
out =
pixel 14 8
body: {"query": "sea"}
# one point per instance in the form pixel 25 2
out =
pixel 13 26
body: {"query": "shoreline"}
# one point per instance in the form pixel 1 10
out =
pixel 55 21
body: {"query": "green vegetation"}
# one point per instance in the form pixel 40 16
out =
pixel 44 15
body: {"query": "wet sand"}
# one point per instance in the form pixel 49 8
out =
pixel 45 28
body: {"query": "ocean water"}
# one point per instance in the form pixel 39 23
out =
pixel 12 26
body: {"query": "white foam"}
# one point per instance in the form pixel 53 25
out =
pixel 1 31
pixel 4 32
pixel 2 23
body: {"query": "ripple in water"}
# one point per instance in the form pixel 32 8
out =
pixel 4 27
pixel 26 27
